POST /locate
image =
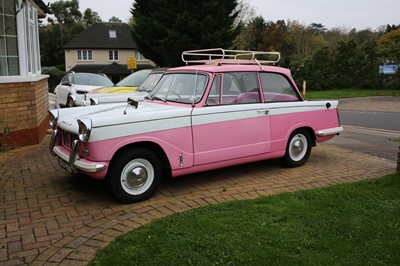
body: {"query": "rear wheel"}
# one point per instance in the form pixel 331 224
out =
pixel 135 175
pixel 298 149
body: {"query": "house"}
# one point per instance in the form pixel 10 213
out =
pixel 104 48
pixel 23 89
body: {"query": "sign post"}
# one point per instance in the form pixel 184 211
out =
pixel 132 63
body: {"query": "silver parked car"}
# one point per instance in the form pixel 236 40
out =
pixel 78 83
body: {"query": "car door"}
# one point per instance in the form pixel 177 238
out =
pixel 234 123
pixel 286 110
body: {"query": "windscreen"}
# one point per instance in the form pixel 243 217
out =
pixel 180 87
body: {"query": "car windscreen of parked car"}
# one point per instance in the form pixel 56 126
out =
pixel 151 81
pixel 134 80
pixel 92 80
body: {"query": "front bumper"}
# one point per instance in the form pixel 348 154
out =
pixel 71 156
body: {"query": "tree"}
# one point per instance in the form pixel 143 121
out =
pixel 246 12
pixel 346 66
pixel 250 36
pixel 336 35
pixel 66 12
pixel 389 46
pixel 274 38
pixel 65 24
pixel 317 71
pixel 392 27
pixel 114 19
pixel 318 28
pixel 163 29
pixel 305 40
pixel 90 17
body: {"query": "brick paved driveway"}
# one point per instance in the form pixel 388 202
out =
pixel 50 217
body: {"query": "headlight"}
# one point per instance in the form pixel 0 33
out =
pixel 53 118
pixel 85 127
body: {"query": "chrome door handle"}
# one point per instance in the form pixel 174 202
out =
pixel 263 111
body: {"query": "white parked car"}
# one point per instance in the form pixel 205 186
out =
pixel 225 112
pixel 78 83
pixel 119 93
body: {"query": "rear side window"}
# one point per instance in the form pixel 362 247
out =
pixel 277 88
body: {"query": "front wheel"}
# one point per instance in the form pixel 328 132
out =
pixel 298 149
pixel 135 175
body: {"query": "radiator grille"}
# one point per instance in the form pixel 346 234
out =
pixel 67 139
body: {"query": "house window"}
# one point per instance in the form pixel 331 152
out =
pixel 9 59
pixel 32 42
pixel 84 55
pixel 113 55
pixel 112 34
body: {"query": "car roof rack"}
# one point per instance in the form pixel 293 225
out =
pixel 219 56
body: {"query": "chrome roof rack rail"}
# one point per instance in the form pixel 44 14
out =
pixel 219 56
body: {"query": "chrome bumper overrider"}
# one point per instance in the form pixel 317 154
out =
pixel 75 164
pixel 330 131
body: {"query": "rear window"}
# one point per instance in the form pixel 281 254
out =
pixel 277 88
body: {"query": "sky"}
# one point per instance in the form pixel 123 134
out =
pixel 348 14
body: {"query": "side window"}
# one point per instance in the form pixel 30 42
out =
pixel 230 88
pixel 277 88
pixel 235 88
pixel 248 88
pixel 215 92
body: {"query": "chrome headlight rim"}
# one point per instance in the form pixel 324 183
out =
pixel 71 101
pixel 94 101
pixel 53 118
pixel 85 128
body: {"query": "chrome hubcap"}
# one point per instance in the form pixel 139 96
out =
pixel 298 147
pixel 137 177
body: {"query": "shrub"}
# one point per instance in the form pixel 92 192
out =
pixel 55 77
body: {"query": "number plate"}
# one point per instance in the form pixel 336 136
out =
pixel 64 165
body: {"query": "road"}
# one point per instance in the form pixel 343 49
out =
pixel 371 126
pixel 374 142
pixel 371 119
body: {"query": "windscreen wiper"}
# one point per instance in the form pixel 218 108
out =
pixel 158 98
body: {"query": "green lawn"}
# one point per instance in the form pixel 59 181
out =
pixel 347 224
pixel 349 93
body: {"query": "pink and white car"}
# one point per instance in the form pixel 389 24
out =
pixel 232 109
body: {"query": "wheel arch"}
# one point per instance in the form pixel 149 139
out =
pixel 296 152
pixel 154 147
pixel 310 132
